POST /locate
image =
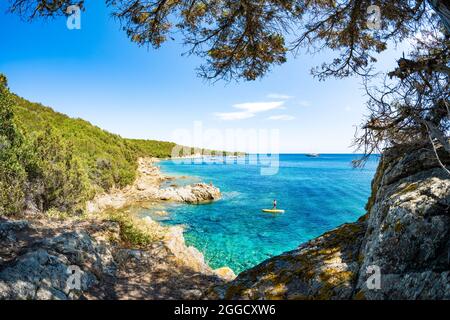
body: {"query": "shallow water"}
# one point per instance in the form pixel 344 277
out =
pixel 318 194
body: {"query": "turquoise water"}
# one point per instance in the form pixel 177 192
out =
pixel 318 194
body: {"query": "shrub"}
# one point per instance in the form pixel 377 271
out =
pixel 12 171
pixel 136 232
pixel 39 166
pixel 108 159
pixel 61 181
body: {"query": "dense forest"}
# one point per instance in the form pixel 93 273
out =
pixel 52 161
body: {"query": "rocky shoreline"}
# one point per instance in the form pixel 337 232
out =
pixel 404 238
pixel 405 234
pixel 38 251
pixel 147 187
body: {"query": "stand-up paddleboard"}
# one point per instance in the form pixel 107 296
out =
pixel 273 210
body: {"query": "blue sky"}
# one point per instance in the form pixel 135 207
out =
pixel 97 74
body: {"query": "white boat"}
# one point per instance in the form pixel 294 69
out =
pixel 312 155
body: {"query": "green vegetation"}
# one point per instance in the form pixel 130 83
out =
pixel 60 179
pixel 108 159
pixel 135 231
pixel 55 162
pixel 12 166
pixel 39 168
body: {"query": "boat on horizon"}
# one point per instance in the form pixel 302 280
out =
pixel 312 155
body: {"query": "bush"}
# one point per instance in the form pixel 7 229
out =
pixel 39 167
pixel 12 171
pixel 12 184
pixel 59 179
pixel 108 159
pixel 135 231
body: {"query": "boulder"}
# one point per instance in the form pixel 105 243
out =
pixel 197 193
pixel 40 267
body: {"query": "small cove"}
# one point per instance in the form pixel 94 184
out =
pixel 318 194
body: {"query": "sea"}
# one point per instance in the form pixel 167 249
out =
pixel 317 194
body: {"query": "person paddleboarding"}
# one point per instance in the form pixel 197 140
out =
pixel 274 208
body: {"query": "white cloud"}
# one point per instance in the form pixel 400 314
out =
pixel 249 110
pixel 279 96
pixel 254 107
pixel 283 117
pixel 234 115
pixel 304 103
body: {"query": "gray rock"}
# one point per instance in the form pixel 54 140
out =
pixel 197 193
pixel 45 293
pixel 9 227
pixel 41 269
pixel 409 227
pixel 40 274
pixel 80 249
pixel 193 294
pixel 5 290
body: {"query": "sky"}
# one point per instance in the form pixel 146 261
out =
pixel 97 74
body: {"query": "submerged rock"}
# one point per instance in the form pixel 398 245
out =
pixel 161 213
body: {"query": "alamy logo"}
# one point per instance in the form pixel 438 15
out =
pixel 262 146
pixel 74 18
pixel 374 19
pixel 374 280
pixel 74 280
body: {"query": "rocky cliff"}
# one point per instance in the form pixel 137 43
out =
pixel 404 238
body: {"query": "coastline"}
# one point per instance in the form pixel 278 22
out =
pixel 147 188
pixel 331 266
pixel 147 191
pixel 159 265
